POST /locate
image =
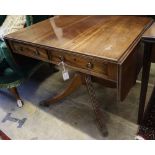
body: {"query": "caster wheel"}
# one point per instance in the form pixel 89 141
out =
pixel 20 103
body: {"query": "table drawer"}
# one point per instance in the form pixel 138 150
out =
pixel 30 51
pixel 84 63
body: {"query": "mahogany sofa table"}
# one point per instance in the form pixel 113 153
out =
pixel 100 48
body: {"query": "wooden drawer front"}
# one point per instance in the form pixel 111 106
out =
pixel 30 51
pixel 83 63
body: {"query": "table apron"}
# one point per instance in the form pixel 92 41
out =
pixel 85 64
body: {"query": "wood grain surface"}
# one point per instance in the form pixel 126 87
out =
pixel 108 37
pixel 150 33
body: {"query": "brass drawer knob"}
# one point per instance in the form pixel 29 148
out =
pixel 62 58
pixel 90 65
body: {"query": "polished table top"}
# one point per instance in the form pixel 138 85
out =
pixel 150 33
pixel 107 37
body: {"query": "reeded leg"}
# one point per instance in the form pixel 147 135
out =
pixel 145 79
pixel 75 83
pixel 95 105
pixel 16 94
